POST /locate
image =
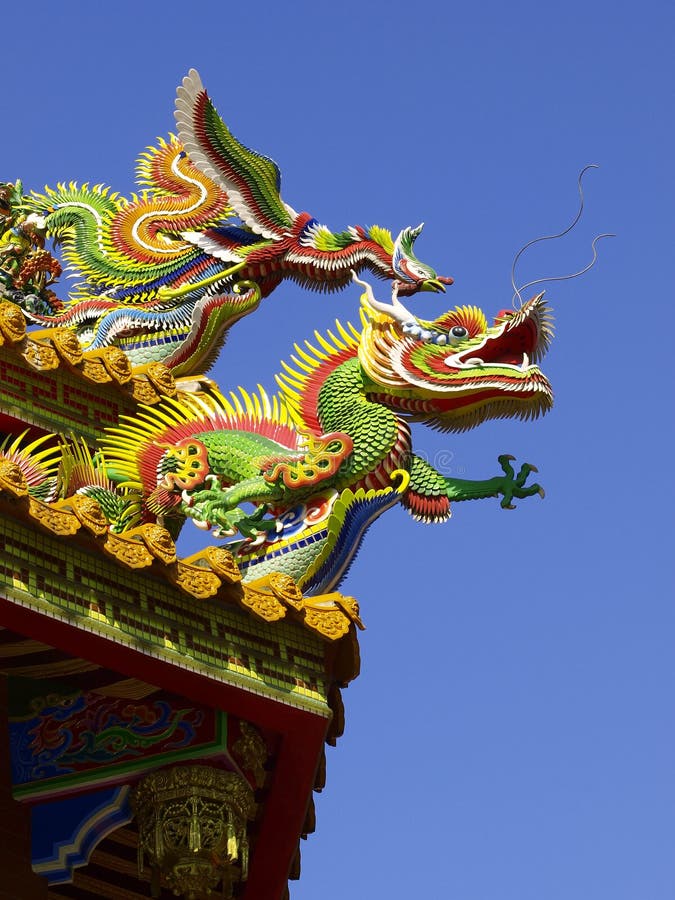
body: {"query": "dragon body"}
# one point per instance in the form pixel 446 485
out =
pixel 184 335
pixel 208 215
pixel 302 475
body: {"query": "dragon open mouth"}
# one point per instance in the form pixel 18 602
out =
pixel 520 339
pixel 458 370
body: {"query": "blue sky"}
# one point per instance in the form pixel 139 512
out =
pixel 511 734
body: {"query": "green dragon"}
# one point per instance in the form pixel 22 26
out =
pixel 324 458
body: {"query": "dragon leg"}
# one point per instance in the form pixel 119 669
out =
pixel 429 493
pixel 221 506
pixel 509 486
pixel 282 480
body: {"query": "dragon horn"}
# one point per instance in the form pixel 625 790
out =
pixel 395 310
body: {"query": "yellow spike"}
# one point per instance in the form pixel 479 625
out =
pixel 277 409
pixel 157 417
pixel 301 365
pixel 41 455
pixel 139 426
pixel 295 417
pixel 297 376
pixel 227 408
pixel 237 404
pixel 142 429
pixel 15 443
pixel 266 410
pixel 317 353
pixel 203 405
pixel 324 343
pixel 247 401
pixel 121 447
pixel 216 398
pixel 336 341
pixel 344 333
pixel 130 434
pixel 306 357
pixel 132 439
pixel 291 382
pixel 287 389
pixel 178 408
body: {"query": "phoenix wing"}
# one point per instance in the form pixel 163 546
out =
pixel 250 180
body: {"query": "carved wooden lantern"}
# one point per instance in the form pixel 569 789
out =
pixel 192 829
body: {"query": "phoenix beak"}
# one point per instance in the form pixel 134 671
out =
pixel 433 284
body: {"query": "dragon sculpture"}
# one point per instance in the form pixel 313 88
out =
pixel 166 273
pixel 292 481
pixel 321 460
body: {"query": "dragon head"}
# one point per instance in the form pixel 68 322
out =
pixel 411 274
pixel 456 371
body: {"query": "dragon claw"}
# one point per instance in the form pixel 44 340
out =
pixel 512 486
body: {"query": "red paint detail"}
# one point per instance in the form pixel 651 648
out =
pixel 427 507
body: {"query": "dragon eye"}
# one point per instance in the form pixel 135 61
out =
pixel 459 332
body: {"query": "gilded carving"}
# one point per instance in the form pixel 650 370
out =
pixel 280 586
pixel 350 605
pixel 197 581
pixel 89 513
pixel 56 520
pixel 262 603
pixel 327 621
pixel 161 378
pixel 40 356
pixel 67 345
pixel 117 363
pixel 143 391
pixel 158 541
pixel 285 589
pixel 222 562
pixel 94 370
pixel 133 554
pixel 12 478
pixel 252 750
pixel 12 322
